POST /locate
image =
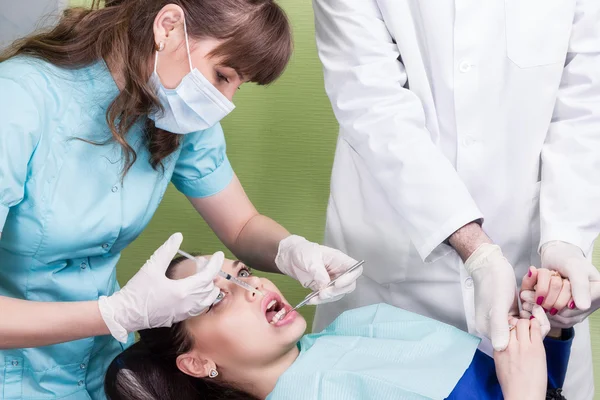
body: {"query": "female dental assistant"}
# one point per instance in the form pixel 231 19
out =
pixel 97 116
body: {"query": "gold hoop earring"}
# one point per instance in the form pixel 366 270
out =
pixel 160 46
pixel 213 373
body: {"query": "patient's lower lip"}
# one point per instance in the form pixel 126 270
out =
pixel 289 317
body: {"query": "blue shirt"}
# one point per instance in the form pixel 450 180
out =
pixel 479 382
pixel 66 214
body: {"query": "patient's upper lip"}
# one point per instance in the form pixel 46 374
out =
pixel 267 299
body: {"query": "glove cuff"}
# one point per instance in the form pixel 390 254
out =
pixel 108 315
pixel 480 257
pixel 564 247
pixel 285 245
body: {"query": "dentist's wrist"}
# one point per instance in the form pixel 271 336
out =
pixel 109 315
pixel 468 239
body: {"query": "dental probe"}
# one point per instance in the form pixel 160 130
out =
pixel 283 313
pixel 227 276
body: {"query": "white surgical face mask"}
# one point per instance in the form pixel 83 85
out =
pixel 193 106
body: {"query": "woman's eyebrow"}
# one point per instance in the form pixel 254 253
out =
pixel 236 264
pixel 237 72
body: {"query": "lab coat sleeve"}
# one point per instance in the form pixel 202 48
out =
pixel 385 123
pixel 19 135
pixel 570 187
pixel 203 168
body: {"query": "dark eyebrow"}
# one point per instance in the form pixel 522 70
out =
pixel 236 264
pixel 235 70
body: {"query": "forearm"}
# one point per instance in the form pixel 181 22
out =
pixel 34 324
pixel 467 239
pixel 258 242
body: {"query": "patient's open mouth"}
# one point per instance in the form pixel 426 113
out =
pixel 274 308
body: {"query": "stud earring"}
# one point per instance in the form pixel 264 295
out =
pixel 160 46
pixel 213 373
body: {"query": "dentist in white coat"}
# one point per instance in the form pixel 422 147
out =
pixel 469 144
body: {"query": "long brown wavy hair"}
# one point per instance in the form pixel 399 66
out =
pixel 256 38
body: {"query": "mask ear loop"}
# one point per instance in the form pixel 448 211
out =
pixel 187 44
pixel 159 48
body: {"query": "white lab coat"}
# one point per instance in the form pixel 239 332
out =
pixel 451 111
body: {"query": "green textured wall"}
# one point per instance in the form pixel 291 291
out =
pixel 281 141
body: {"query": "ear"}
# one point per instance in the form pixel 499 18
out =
pixel 195 365
pixel 167 20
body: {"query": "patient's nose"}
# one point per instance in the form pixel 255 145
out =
pixel 255 282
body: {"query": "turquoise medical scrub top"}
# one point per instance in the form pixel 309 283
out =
pixel 65 214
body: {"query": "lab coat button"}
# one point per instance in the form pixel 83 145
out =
pixel 83 265
pixel 115 189
pixel 80 383
pixel 82 366
pixel 464 67
pixel 105 246
pixel 469 283
pixel 15 363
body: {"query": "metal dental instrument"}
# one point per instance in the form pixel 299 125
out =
pixel 315 294
pixel 227 276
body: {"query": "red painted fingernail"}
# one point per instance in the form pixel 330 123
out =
pixel 540 300
pixel 553 311
pixel 532 317
pixel 529 273
pixel 572 305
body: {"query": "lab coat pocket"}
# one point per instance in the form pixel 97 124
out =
pixel 538 31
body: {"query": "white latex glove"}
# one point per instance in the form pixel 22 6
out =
pixel 568 260
pixel 314 266
pixel 495 293
pixel 151 300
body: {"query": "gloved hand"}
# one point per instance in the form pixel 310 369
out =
pixel 568 260
pixel 567 318
pixel 314 266
pixel 151 300
pixel 495 293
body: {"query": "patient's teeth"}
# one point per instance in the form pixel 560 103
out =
pixel 278 316
pixel 271 304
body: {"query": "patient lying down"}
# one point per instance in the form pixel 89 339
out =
pixel 233 351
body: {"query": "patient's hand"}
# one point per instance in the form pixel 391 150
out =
pixel 547 289
pixel 521 368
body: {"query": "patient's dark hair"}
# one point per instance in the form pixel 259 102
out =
pixel 148 370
